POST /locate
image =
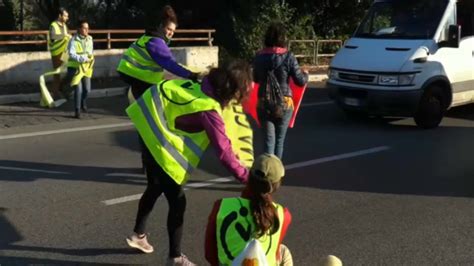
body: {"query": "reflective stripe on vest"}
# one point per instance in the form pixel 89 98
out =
pixel 235 227
pixel 154 115
pixel 83 69
pixel 57 47
pixel 136 62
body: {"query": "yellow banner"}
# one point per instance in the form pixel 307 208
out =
pixel 46 98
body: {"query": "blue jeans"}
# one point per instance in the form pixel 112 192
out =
pixel 81 90
pixel 274 131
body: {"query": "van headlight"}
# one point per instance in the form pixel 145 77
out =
pixel 406 79
pixel 333 74
pixel 396 80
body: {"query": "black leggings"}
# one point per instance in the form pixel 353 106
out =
pixel 138 87
pixel 160 182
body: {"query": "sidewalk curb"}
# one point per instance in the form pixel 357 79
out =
pixel 317 77
pixel 35 97
pixel 100 93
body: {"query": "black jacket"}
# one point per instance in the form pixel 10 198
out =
pixel 288 68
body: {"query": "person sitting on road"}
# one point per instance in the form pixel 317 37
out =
pixel 255 212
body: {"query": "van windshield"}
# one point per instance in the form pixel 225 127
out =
pixel 402 19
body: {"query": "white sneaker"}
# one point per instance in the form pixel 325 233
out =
pixel 179 261
pixel 142 244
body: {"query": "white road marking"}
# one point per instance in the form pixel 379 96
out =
pixel 60 131
pixel 336 157
pixel 211 182
pixel 33 170
pixel 126 175
pixel 138 196
pixel 122 199
pixel 316 104
pixel 126 124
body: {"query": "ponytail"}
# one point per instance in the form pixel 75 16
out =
pixel 168 15
pixel 154 25
pixel 264 213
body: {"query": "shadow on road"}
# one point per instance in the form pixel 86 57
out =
pixel 25 114
pixel 9 236
pixel 436 162
pixel 10 260
pixel 462 112
pixel 16 171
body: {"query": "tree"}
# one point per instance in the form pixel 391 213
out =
pixel 249 20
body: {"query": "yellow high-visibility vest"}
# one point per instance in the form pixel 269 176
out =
pixel 136 62
pixel 58 46
pixel 81 45
pixel 236 212
pixel 239 132
pixel 154 114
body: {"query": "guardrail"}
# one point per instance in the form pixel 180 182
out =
pixel 206 35
pixel 315 47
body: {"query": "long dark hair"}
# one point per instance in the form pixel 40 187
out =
pixel 167 16
pixel 231 82
pixel 264 212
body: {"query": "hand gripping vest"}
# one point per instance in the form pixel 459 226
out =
pixel 57 47
pixel 154 115
pixel 83 69
pixel 136 62
pixel 235 228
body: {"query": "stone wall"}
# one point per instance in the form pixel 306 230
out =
pixel 26 67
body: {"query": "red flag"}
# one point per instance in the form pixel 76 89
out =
pixel 250 106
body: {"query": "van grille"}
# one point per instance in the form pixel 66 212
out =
pixel 357 77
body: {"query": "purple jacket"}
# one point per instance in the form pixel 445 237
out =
pixel 212 123
pixel 161 53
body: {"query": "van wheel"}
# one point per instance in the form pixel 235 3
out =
pixel 431 108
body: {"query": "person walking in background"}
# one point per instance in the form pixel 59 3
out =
pixel 276 58
pixel 80 66
pixel 143 63
pixel 58 41
pixel 177 119
pixel 256 213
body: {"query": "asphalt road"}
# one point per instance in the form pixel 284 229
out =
pixel 372 192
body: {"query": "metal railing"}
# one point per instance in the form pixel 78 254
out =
pixel 205 35
pixel 314 49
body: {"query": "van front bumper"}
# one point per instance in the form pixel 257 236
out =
pixel 376 102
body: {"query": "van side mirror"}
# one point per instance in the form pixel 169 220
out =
pixel 454 36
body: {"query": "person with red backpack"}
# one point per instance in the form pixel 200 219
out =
pixel 273 67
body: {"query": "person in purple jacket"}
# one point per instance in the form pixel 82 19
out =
pixel 143 63
pixel 223 84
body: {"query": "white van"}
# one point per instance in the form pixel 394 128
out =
pixel 407 58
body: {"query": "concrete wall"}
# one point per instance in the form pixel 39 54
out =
pixel 26 67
